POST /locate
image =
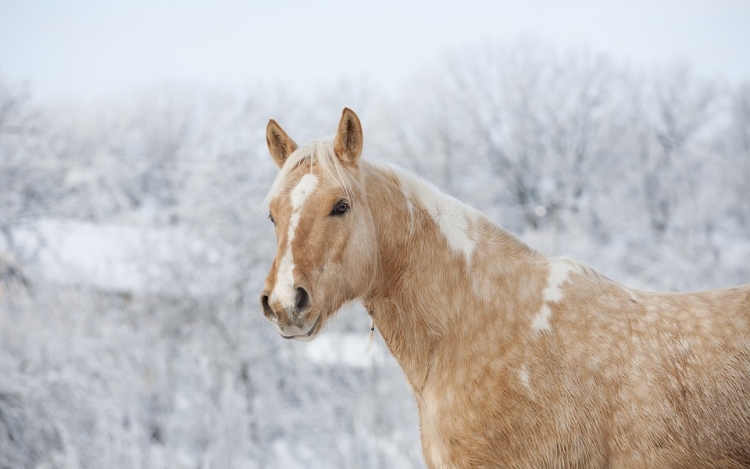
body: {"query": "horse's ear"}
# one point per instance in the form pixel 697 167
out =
pixel 348 142
pixel 279 143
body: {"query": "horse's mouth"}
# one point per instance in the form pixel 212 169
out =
pixel 305 335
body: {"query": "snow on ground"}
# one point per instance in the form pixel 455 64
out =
pixel 345 349
pixel 121 258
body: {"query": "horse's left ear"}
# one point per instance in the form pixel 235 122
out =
pixel 348 142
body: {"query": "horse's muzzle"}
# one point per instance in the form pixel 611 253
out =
pixel 292 320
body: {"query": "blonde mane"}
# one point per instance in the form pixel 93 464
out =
pixel 320 152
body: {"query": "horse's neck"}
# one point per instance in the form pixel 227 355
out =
pixel 430 275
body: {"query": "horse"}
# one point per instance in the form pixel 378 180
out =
pixel 516 359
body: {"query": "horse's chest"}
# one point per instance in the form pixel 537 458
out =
pixel 436 433
pixel 447 425
pixel 470 416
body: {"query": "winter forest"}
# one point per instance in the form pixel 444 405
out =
pixel 134 243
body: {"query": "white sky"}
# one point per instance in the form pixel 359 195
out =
pixel 91 48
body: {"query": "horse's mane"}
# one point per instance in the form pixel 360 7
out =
pixel 320 152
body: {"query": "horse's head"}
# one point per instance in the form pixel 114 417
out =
pixel 324 230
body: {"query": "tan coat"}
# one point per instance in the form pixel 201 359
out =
pixel 516 359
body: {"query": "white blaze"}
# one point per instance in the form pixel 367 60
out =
pixel 284 291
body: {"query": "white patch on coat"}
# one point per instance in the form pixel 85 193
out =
pixel 541 320
pixel 284 291
pixel 525 379
pixel 453 218
pixel 558 274
pixel 410 207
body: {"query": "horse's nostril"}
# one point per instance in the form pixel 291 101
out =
pixel 303 300
pixel 267 308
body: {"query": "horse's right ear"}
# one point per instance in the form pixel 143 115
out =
pixel 279 143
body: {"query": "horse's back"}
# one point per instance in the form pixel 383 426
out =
pixel 685 396
pixel 707 374
pixel 615 378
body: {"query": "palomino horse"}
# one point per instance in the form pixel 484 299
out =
pixel 516 359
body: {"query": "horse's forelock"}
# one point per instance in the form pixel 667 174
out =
pixel 320 152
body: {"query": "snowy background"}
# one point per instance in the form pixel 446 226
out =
pixel 133 164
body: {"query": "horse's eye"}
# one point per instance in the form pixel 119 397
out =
pixel 270 217
pixel 340 208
